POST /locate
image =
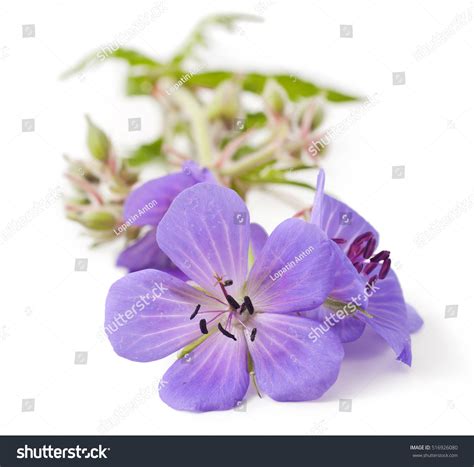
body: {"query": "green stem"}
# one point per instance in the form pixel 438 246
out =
pixel 257 158
pixel 199 124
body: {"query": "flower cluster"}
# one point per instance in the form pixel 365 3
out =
pixel 250 128
pixel 245 306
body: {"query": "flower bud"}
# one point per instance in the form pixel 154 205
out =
pixel 225 102
pixel 275 96
pixel 315 109
pixel 99 220
pixel 97 141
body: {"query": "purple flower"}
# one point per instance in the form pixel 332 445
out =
pixel 365 278
pixel 146 206
pixel 243 321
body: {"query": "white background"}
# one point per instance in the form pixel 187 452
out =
pixel 48 311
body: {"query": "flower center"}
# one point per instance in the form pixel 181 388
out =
pixel 361 254
pixel 235 316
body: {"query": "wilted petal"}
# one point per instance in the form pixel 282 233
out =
pixel 214 376
pixel 290 364
pixel 206 232
pixel 295 269
pixel 336 218
pixel 146 254
pixel 389 313
pixel 147 315
pixel 258 237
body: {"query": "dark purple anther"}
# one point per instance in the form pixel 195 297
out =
pixel 355 250
pixel 249 305
pixel 363 237
pixel 380 256
pixel 232 302
pixel 253 334
pixel 385 268
pixel 369 267
pixel 203 326
pixel 369 248
pixel 359 267
pixel 225 332
pixel 339 241
pixel 195 312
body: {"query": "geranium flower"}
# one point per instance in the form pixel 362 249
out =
pixel 234 317
pixel 364 267
pixel 146 206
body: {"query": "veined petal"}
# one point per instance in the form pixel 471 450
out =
pixel 348 328
pixel 348 283
pixel 147 315
pixel 214 376
pixel 258 237
pixel 147 204
pixel 318 199
pixel 294 271
pixel 206 233
pixel 389 313
pixel 146 254
pixel 291 365
pixel 336 218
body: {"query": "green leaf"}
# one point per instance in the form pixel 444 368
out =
pixel 198 36
pixel 297 87
pixel 265 174
pixel 255 120
pixel 132 57
pixel 138 85
pixel 278 181
pixel 210 79
pixel 146 153
pixel 243 151
pixel 254 82
pixel 336 96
